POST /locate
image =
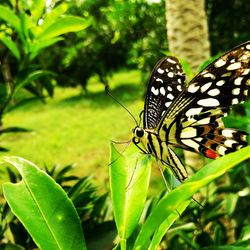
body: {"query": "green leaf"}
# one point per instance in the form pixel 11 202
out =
pixel 64 25
pixel 31 77
pixel 129 179
pixel 176 197
pixel 3 92
pixel 10 45
pixel 37 46
pixel 13 130
pixel 9 246
pixel 10 17
pixel 167 223
pixel 37 8
pixel 43 208
pixel 54 14
pixel 224 248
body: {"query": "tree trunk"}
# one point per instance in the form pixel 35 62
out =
pixel 187 33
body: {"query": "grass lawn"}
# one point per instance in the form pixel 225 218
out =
pixel 76 128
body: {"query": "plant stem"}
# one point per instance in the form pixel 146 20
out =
pixel 123 244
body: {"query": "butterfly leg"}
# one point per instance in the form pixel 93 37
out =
pixel 175 164
pixel 120 153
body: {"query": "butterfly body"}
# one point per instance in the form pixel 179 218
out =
pixel 151 143
pixel 189 116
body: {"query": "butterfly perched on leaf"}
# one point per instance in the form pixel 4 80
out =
pixel 189 116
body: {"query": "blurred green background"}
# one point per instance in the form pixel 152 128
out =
pixel 70 118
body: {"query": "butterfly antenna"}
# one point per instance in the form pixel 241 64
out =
pixel 109 93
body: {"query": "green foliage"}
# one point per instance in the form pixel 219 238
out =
pixel 43 208
pixel 93 209
pixel 164 212
pixel 25 36
pixel 122 34
pixel 228 24
pixel 25 32
pixel 129 179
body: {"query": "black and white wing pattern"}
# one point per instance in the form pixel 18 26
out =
pixel 165 84
pixel 189 116
pixel 193 120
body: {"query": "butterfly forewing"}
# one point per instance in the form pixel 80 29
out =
pixel 223 83
pixel 194 122
pixel 165 84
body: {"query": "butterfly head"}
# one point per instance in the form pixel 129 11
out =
pixel 138 134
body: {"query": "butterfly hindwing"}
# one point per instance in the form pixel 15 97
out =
pixel 165 84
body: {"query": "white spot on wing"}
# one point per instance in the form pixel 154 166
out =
pixel 204 121
pixel 221 150
pixel 227 133
pixel 169 88
pixel 155 91
pixel 170 74
pixel 234 66
pixel 160 71
pixel 179 80
pixel 246 72
pixel 162 91
pixel 206 86
pixel 199 139
pixel 179 87
pixel 193 111
pixel 171 61
pixel 209 102
pixel 214 92
pixel 248 47
pixel 209 75
pixel 167 104
pixel 159 80
pixel 188 132
pixel 229 143
pixel 219 63
pixel 220 83
pixel 238 80
pixel 226 74
pixel 170 96
pixel 235 101
pixel 191 143
pixel 192 88
pixel 236 91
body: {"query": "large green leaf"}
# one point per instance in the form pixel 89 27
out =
pixel 166 224
pixel 64 25
pixel 175 198
pixel 10 45
pixel 32 76
pixel 53 15
pixel 37 8
pixel 10 18
pixel 43 208
pixel 36 46
pixel 129 179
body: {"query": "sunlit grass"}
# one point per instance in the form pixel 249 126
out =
pixel 74 127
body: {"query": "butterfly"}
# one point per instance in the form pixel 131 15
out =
pixel 190 116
